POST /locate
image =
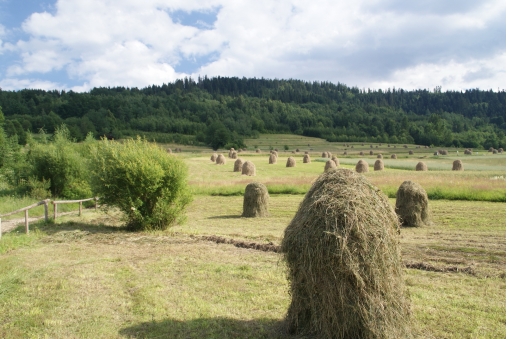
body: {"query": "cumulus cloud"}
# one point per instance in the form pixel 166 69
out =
pixel 380 43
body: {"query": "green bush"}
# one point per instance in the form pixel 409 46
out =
pixel 146 183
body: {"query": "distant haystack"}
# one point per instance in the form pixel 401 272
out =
pixel 221 160
pixel 273 159
pixel 411 152
pixel 248 168
pixel 297 150
pixel 494 151
pixel 371 152
pixel 213 158
pixel 255 201
pixel 291 162
pixel 421 166
pixel 361 153
pixel 393 156
pixel 238 165
pixel 169 150
pixel 467 152
pixel 306 159
pixel 457 166
pixel 412 205
pixel 491 149
pixel 328 155
pixel 436 153
pixel 345 153
pixel 258 150
pixel 336 160
pixel 362 166
pixel 380 156
pixel 234 155
pixel 371 146
pixel 324 155
pixel 500 150
pixel 330 164
pixel 379 165
pixel 230 154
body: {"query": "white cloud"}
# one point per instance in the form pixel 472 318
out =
pixel 381 43
pixel 10 84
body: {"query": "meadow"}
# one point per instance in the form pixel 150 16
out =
pixel 83 277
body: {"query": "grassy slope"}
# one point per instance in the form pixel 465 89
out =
pixel 86 279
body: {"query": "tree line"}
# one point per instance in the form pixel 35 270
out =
pixel 222 111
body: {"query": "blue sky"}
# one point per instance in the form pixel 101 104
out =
pixel 81 44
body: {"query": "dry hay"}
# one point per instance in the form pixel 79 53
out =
pixel 393 156
pixel 298 150
pixel 361 153
pixel 306 159
pixel 221 160
pixel 494 151
pixel 436 153
pixel 293 152
pixel 248 168
pixel 426 146
pixel 380 156
pixel 457 166
pixel 213 157
pixel 418 146
pixel 276 150
pixel 444 152
pixel 491 149
pixel 258 150
pixel 376 146
pixel 405 146
pixel 352 146
pixel 412 205
pixel 324 155
pixel 272 159
pixel 240 150
pixel 238 165
pixel 345 153
pixel 500 150
pixel 421 166
pixel 344 264
pixel 291 162
pixel 336 160
pixel 388 145
pixel 467 152
pixel 255 200
pixel 169 150
pixel 330 164
pixel 328 154
pixel 362 166
pixel 379 165
pixel 234 155
pixel 274 153
pixel 363 144
pixel 411 152
pixel 371 152
pixel 306 152
pixel 371 146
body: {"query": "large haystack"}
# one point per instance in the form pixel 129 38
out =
pixel 273 159
pixel 255 201
pixel 238 165
pixel 336 160
pixel 306 159
pixel 379 165
pixel 393 156
pixel 330 164
pixel 412 205
pixel 421 166
pixel 457 166
pixel 248 168
pixel 221 160
pixel 344 264
pixel 234 155
pixel 362 166
pixel 213 158
pixel 291 162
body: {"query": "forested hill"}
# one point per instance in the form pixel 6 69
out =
pixel 222 111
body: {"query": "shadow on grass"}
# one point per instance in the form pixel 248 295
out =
pixel 50 228
pixel 223 328
pixel 234 216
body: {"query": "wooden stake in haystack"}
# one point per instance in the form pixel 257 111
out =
pixel 344 263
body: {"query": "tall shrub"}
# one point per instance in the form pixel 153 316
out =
pixel 142 180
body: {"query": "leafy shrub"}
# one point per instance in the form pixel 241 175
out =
pixel 146 183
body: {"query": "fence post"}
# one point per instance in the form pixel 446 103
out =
pixel 26 222
pixel 46 210
pixel 54 210
pixel 80 207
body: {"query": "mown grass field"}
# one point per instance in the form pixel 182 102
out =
pixel 86 277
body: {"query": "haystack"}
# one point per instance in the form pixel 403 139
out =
pixel 491 149
pixel 344 264
pixel 306 159
pixel 500 150
pixel 379 165
pixel 275 153
pixel 361 153
pixel 169 150
pixel 248 168
pixel 411 152
pixel 412 205
pixel 457 166
pixel 467 152
pixel 362 166
pixel 345 153
pixel 336 160
pixel 293 152
pixel 238 165
pixel 421 166
pixel 393 156
pixel 298 150
pixel 213 157
pixel 494 151
pixel 276 150
pixel 444 152
pixel 255 201
pixel 436 153
pixel 405 146
pixel 291 162
pixel 330 164
pixel 371 152
pixel 273 159
pixel 380 156
pixel 221 160
pixel 234 155
pixel 371 146
pixel 306 152
pixel 328 155
pixel 324 155
pixel 258 150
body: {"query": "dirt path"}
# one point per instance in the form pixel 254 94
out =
pixel 9 225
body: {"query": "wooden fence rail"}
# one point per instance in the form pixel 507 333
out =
pixel 46 203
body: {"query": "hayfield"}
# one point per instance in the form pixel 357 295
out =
pixel 84 277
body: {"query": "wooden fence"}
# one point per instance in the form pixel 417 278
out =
pixel 46 203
